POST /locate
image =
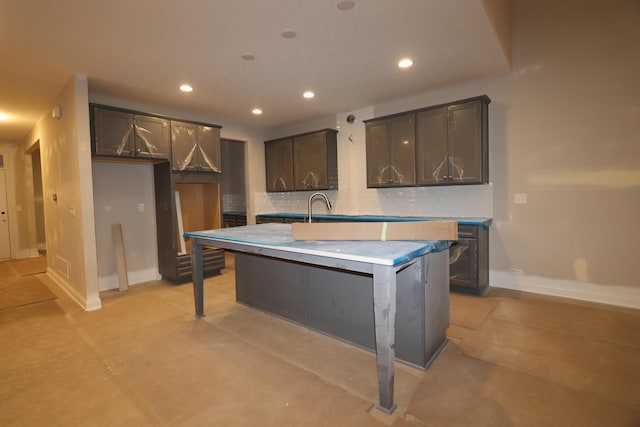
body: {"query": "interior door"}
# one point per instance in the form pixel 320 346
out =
pixel 5 244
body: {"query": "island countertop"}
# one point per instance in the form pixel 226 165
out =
pixel 481 221
pixel 279 237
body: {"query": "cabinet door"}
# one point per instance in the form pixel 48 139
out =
pixel 432 145
pixel 152 136
pixel 378 161
pixel 114 134
pixel 463 264
pixel 184 137
pixel 208 151
pixel 279 165
pixel 402 169
pixel 465 143
pixel 310 161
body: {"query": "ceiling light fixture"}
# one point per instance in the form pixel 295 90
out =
pixel 405 63
pixel 256 111
pixel 346 4
pixel 288 33
pixel 248 56
pixel 308 94
pixel 3 117
pixel 186 88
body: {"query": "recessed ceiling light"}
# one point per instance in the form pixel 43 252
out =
pixel 248 56
pixel 186 88
pixel 288 33
pixel 256 111
pixel 346 4
pixel 308 94
pixel 405 63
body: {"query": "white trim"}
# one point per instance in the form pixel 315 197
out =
pixel 106 283
pixel 624 296
pixel 24 253
pixel 93 303
pixel 88 305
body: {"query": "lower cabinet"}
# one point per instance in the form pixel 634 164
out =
pixel 268 219
pixel 199 197
pixel 340 303
pixel 469 260
pixel 213 263
pixel 234 219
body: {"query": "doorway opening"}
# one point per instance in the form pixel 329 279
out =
pixel 234 196
pixel 38 199
pixel 5 242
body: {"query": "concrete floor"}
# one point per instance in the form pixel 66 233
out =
pixel 513 359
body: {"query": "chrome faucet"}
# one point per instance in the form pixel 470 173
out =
pixel 326 200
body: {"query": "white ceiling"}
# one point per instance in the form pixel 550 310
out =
pixel 143 50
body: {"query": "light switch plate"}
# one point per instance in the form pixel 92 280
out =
pixel 520 198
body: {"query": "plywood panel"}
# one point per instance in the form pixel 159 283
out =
pixel 200 203
pixel 411 230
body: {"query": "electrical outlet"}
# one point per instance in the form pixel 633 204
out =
pixel 140 207
pixel 521 198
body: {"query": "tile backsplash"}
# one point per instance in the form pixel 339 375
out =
pixel 459 201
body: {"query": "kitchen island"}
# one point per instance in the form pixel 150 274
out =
pixel 468 257
pixel 419 269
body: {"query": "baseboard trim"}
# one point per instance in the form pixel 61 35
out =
pixel 107 283
pixel 86 304
pixel 623 296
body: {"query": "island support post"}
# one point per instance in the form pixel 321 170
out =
pixel 384 306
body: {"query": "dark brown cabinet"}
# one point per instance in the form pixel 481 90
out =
pixel 452 144
pixel 278 156
pixel 234 219
pixel 440 145
pixel 123 133
pixel 315 161
pixel 199 208
pixel 469 260
pixel 391 151
pixel 195 147
pixel 302 162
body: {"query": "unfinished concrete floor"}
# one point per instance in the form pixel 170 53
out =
pixel 513 359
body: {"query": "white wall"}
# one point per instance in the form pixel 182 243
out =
pixel 564 128
pixel 124 194
pixel 22 233
pixel 66 173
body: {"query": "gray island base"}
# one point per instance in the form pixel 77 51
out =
pixel 391 297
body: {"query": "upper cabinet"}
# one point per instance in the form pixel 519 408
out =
pixel 195 147
pixel 441 145
pixel 188 146
pixel 278 155
pixel 452 144
pixel 391 151
pixel 302 162
pixel 122 133
pixel 315 161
